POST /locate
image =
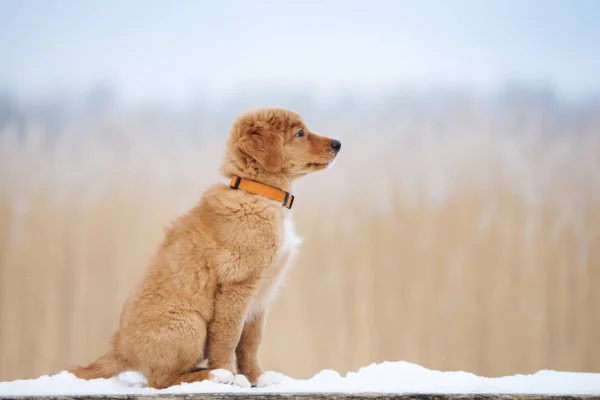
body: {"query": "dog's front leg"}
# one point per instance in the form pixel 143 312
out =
pixel 225 329
pixel 247 348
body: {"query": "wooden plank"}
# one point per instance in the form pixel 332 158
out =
pixel 313 396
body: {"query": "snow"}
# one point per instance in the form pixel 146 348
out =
pixel 387 377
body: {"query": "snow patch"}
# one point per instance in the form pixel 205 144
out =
pixel 270 378
pixel 387 377
pixel 241 381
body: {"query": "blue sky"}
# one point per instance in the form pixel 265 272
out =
pixel 171 49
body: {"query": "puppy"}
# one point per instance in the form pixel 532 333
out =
pixel 204 297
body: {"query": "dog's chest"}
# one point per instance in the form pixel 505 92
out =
pixel 289 240
pixel 273 274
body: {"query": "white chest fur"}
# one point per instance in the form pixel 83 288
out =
pixel 272 276
pixel 290 240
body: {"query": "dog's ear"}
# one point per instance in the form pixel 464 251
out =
pixel 265 148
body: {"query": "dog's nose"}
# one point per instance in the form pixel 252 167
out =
pixel 336 145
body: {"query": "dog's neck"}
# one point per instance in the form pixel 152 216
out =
pixel 253 187
pixel 271 186
pixel 230 168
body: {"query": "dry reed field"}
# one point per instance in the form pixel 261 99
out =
pixel 459 237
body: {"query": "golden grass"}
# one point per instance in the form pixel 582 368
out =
pixel 471 250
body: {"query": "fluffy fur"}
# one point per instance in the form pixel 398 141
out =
pixel 205 295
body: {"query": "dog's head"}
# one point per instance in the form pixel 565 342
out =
pixel 277 141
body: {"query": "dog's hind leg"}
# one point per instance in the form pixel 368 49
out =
pixel 169 356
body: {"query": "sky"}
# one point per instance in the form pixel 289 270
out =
pixel 173 49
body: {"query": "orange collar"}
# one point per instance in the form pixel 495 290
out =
pixel 250 186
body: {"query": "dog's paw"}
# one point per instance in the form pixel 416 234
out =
pixel 241 381
pixel 221 376
pixel 269 378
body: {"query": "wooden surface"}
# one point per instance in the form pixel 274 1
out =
pixel 316 396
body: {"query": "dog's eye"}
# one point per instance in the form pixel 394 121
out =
pixel 254 133
pixel 300 133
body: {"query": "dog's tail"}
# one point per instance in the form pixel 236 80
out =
pixel 106 366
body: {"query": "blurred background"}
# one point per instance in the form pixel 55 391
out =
pixel 459 228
